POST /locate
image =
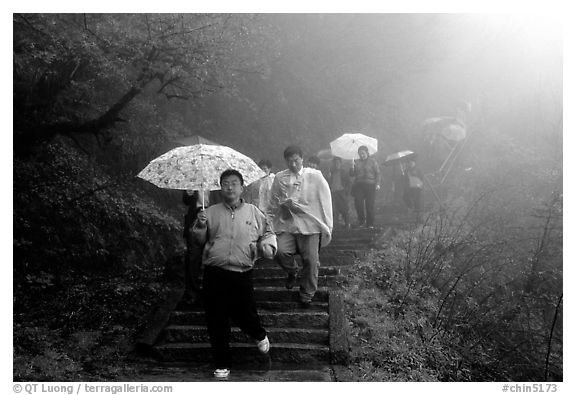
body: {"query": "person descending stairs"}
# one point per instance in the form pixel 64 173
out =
pixel 304 342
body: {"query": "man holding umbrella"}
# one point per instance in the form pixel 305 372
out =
pixel 234 234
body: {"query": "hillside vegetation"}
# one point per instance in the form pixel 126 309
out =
pixel 92 255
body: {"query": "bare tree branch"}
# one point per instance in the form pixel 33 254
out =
pixel 184 32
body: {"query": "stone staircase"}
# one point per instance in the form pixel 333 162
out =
pixel 302 340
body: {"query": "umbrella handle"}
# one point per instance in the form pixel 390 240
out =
pixel 202 193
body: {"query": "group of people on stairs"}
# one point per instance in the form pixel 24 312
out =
pixel 278 217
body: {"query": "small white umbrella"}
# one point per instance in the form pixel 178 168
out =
pixel 346 146
pixel 198 167
pixel 450 127
pixel 399 156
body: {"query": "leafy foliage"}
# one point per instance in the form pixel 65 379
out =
pixel 90 257
pixel 77 73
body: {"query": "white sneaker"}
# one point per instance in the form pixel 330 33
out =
pixel 221 373
pixel 264 345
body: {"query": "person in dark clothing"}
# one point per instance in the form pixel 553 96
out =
pixel 413 187
pixel 366 173
pixel 339 182
pixel 193 255
pixel 314 162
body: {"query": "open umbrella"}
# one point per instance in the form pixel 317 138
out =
pixel 324 154
pixel 346 146
pixel 193 140
pixel 451 128
pixel 399 156
pixel 188 140
pixel 198 167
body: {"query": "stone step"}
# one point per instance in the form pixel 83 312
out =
pixel 276 271
pixel 247 353
pixel 281 294
pixel 269 305
pixel 284 319
pixel 199 334
pixel 203 372
pixel 323 281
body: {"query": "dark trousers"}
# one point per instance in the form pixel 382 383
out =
pixel 412 198
pixel 340 203
pixel 364 195
pixel 192 269
pixel 229 296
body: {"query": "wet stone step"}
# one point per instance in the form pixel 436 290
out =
pixel 269 305
pixel 199 334
pixel 281 294
pixel 202 372
pixel 323 281
pixel 275 271
pixel 284 319
pixel 247 353
pixel 290 305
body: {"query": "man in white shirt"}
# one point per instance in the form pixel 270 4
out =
pixel 301 213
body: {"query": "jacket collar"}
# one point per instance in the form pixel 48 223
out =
pixel 235 207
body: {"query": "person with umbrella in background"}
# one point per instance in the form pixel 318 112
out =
pixel 234 235
pixel 258 193
pixel 314 162
pixel 366 173
pixel 339 182
pixel 301 213
pixel 413 187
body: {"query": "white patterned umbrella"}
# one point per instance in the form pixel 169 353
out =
pixel 198 167
pixel 346 146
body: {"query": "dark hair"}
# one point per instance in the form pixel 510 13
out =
pixel 314 159
pixel 265 162
pixel 363 148
pixel 291 150
pixel 231 172
pixel 336 159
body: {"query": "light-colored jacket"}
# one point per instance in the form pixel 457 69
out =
pixel 258 193
pixel 233 238
pixel 301 203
